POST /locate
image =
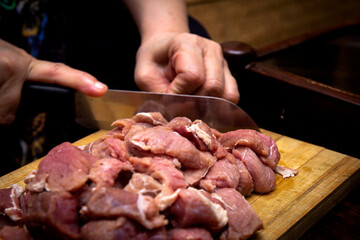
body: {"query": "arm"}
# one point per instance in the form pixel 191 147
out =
pixel 16 67
pixel 172 60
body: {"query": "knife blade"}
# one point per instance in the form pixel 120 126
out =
pixel 218 113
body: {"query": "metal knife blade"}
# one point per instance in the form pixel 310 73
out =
pixel 218 113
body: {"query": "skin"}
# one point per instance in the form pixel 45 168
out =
pixel 169 60
pixel 17 66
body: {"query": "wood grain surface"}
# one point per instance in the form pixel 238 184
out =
pixel 324 179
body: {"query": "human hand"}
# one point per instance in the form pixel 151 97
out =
pixel 183 63
pixel 17 66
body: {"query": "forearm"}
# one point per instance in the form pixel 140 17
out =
pixel 158 16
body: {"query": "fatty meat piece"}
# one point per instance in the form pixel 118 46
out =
pixel 106 170
pixel 224 173
pixel 199 133
pixel 64 168
pixel 189 234
pixel 193 207
pixel 151 118
pixel 245 137
pixel 14 233
pixel 107 202
pixel 163 170
pixel 52 214
pixel 242 219
pixel 162 141
pixel 11 200
pixel 263 176
pixel 108 147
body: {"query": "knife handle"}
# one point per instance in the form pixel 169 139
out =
pixel 238 55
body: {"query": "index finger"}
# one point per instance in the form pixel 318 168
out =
pixel 61 74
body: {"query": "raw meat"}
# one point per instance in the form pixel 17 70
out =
pixel 51 214
pixel 262 175
pixel 146 179
pixel 242 219
pixel 194 207
pixel 65 168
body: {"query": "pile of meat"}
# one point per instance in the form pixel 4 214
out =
pixel 146 179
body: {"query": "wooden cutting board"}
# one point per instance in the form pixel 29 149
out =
pixel 324 179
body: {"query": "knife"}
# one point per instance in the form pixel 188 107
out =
pixel 218 113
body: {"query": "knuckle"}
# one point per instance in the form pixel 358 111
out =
pixel 56 68
pixel 215 87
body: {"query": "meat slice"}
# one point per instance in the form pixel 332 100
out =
pixel 14 233
pixel 245 137
pixel 143 184
pixel 242 219
pixel 162 141
pixel 204 135
pixel 224 173
pixel 106 170
pixel 151 118
pixel 163 170
pixel 228 173
pixel 246 183
pixel 189 234
pixel 108 147
pixel 262 175
pixel 181 125
pixel 106 202
pixel 122 127
pixel 65 168
pixel 272 159
pixel 52 215
pixel 199 133
pixel 194 208
pixel 10 199
pixel 120 228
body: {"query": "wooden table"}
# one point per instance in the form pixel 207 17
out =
pixel 325 178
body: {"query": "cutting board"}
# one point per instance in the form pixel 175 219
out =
pixel 324 179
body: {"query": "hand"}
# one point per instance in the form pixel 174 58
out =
pixel 16 67
pixel 183 63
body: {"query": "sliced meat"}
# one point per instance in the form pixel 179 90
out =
pixel 242 219
pixel 263 176
pixel 144 184
pixel 194 208
pixel 181 125
pixel 224 173
pixel 272 159
pixel 163 170
pixel 162 141
pixel 106 202
pixel 106 170
pixel 65 168
pixel 14 233
pixel 245 137
pixel 152 118
pixel 199 133
pixel 189 234
pixel 108 147
pixel 246 183
pixel 122 127
pixel 10 203
pixel 52 215
pixel 120 228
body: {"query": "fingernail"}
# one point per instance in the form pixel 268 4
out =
pixel 100 85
